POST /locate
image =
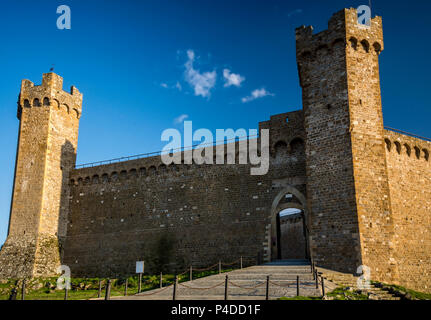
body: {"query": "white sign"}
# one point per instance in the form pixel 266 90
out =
pixel 139 266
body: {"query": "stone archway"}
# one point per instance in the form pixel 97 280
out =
pixel 276 208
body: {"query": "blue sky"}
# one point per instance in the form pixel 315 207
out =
pixel 143 64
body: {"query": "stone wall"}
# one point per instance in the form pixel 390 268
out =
pixel 181 214
pixel 409 172
pixel 292 237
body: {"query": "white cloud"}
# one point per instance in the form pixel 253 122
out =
pixel 232 79
pixel 257 94
pixel 181 118
pixel 175 86
pixel 294 12
pixel 202 83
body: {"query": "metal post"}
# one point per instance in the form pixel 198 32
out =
pixel 99 294
pixel 23 290
pixel 241 262
pixel 108 290
pixel 66 293
pixel 316 278
pixel 161 280
pixel 13 294
pixel 191 273
pixel 219 267
pixel 175 288
pixel 226 282
pixel 140 283
pixel 267 288
pixel 297 286
pixel 125 286
pixel 323 286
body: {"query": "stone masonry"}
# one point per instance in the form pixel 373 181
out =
pixel 364 191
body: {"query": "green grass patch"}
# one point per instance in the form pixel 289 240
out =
pixel 88 288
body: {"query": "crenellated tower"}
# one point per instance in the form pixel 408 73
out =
pixel 347 182
pixel 46 152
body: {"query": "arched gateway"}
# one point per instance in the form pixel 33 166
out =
pixel 288 238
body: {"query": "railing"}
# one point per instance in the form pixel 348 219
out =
pixel 407 133
pixel 159 153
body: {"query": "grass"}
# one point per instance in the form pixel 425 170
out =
pixel 85 288
pixel 338 294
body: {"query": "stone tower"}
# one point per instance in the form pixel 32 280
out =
pixel 48 136
pixel 347 182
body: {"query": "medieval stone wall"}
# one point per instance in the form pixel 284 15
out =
pixel 181 214
pixel 409 171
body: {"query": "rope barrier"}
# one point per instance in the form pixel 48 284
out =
pixel 195 288
pixel 156 291
pixel 232 263
pixel 206 269
pixel 247 288
pixel 279 285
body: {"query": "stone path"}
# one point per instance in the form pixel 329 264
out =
pixel 245 284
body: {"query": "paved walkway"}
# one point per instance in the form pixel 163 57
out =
pixel 245 284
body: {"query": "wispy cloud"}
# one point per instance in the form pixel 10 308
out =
pixel 181 118
pixel 202 83
pixel 257 94
pixel 175 86
pixel 294 12
pixel 232 79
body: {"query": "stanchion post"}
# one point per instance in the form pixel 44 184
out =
pixel 23 290
pixel 175 288
pixel 108 290
pixel 140 283
pixel 66 293
pixel 241 262
pixel 13 294
pixel 323 286
pixel 267 288
pixel 219 267
pixel 191 273
pixel 226 286
pixel 99 294
pixel 297 286
pixel 125 286
pixel 161 280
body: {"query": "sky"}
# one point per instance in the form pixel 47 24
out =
pixel 146 66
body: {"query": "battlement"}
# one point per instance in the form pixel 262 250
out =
pixel 50 94
pixel 342 27
pixel 409 146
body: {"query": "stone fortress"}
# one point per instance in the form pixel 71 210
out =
pixel 364 192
